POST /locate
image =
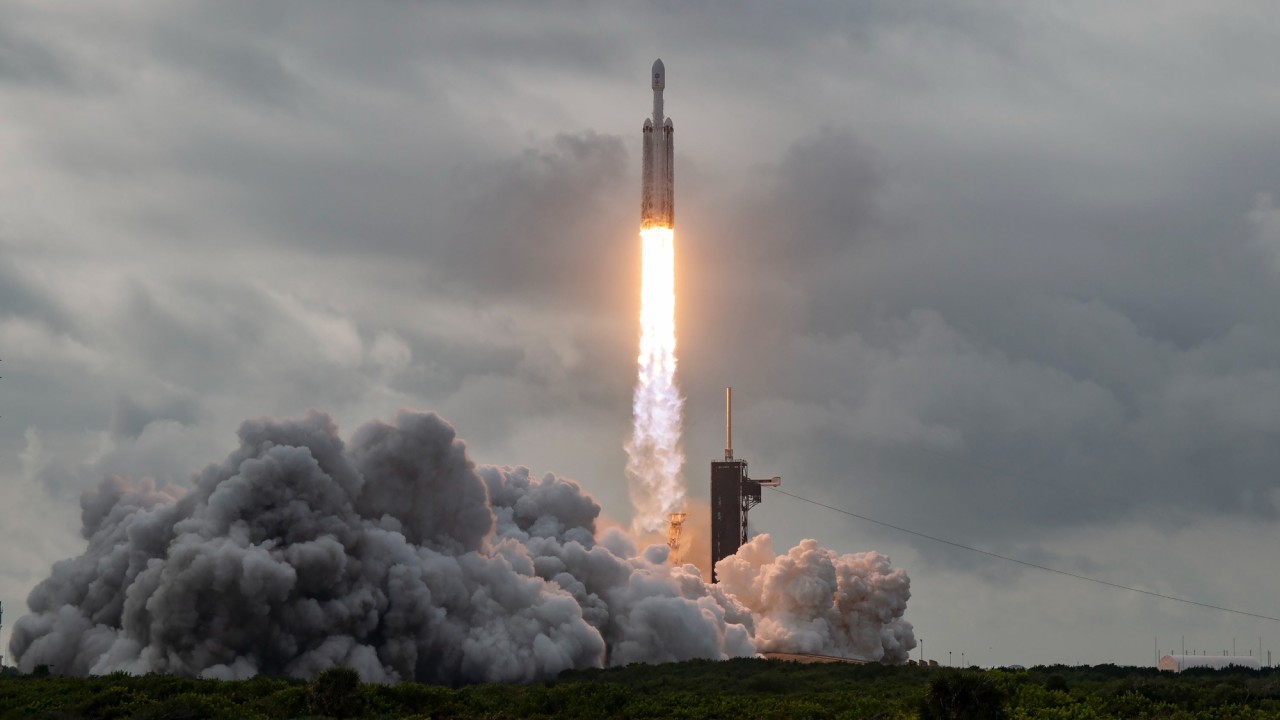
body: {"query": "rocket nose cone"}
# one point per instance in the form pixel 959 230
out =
pixel 659 75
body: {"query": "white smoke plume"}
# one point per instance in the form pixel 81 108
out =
pixel 812 600
pixel 396 555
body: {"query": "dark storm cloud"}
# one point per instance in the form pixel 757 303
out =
pixel 251 70
pixel 201 334
pixel 1137 378
pixel 24 59
pixel 398 43
pixel 132 416
pixel 826 191
pixel 531 225
pixel 23 296
pixel 756 30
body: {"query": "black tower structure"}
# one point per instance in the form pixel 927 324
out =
pixel 732 495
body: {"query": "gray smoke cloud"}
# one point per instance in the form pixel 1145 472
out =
pixel 396 555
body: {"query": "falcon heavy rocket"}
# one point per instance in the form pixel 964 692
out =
pixel 657 187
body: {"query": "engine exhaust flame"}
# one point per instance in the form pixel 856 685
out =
pixel 654 456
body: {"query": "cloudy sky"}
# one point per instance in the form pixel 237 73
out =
pixel 1004 273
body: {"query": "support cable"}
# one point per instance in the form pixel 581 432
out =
pixel 1025 562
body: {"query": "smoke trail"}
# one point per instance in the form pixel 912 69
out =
pixel 654 457
pixel 395 555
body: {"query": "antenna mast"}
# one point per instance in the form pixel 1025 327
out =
pixel 728 424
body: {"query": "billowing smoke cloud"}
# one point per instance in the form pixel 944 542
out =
pixel 397 556
pixel 812 600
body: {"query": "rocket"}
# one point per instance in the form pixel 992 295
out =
pixel 657 184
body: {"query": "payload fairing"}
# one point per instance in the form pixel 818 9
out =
pixel 657 187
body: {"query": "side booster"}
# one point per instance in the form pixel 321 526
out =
pixel 657 184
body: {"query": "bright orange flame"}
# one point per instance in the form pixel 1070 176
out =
pixel 654 457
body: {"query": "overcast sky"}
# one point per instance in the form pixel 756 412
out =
pixel 1005 273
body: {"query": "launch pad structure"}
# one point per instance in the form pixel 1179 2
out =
pixel 675 521
pixel 733 494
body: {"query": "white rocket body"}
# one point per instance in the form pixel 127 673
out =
pixel 657 184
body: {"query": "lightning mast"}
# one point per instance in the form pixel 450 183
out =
pixel 732 495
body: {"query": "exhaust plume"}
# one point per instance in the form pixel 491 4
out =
pixel 394 554
pixel 654 457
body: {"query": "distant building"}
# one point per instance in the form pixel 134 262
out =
pixel 1178 663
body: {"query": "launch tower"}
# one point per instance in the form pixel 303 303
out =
pixel 732 495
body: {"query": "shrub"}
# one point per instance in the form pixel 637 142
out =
pixel 963 696
pixel 191 706
pixel 286 703
pixel 114 701
pixel 1056 682
pixel 336 693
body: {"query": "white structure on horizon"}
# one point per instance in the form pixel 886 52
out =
pixel 1178 663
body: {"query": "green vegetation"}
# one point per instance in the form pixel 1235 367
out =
pixel 734 689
